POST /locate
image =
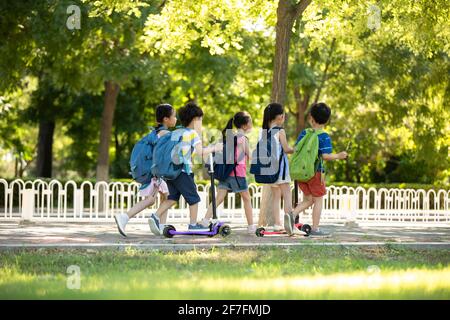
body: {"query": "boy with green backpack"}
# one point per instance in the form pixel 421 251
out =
pixel 312 147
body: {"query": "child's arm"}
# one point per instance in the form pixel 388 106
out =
pixel 207 150
pixel 247 150
pixel 284 143
pixel 334 156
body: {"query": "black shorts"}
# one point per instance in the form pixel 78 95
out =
pixel 185 186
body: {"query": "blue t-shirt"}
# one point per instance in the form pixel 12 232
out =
pixel 324 145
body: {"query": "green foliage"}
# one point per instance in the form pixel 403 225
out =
pixel 388 85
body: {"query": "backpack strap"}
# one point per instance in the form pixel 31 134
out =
pixel 235 160
pixel 281 154
pixel 320 158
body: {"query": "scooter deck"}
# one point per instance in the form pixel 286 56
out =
pixel 298 226
pixel 216 229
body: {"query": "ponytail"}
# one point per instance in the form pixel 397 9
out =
pixel 270 113
pixel 240 119
pixel 228 126
pixel 266 120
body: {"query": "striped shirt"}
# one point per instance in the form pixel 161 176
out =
pixel 325 146
pixel 190 140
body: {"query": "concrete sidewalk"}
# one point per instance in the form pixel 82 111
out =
pixel 14 234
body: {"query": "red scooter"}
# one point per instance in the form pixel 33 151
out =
pixel 306 228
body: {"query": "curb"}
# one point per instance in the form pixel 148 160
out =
pixel 183 247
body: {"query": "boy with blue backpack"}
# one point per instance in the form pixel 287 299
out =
pixel 312 147
pixel 141 164
pixel 173 162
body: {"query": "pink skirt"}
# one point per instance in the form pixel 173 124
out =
pixel 150 189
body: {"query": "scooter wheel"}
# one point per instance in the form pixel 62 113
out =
pixel 306 228
pixel 260 232
pixel 225 230
pixel 166 230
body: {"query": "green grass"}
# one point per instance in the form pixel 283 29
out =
pixel 302 273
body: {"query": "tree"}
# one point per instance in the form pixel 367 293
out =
pixel 287 12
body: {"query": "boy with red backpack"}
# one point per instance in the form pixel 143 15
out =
pixel 312 147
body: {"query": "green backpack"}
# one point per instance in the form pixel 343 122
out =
pixel 305 160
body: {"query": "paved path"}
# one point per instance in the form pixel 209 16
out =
pixel 104 235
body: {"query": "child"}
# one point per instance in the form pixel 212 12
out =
pixel 315 189
pixel 274 117
pixel 191 117
pixel 166 118
pixel 237 184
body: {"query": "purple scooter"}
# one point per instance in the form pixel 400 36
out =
pixel 214 228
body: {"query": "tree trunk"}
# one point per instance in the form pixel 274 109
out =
pixel 285 22
pixel 301 106
pixel 287 12
pixel 45 148
pixel 16 167
pixel 111 92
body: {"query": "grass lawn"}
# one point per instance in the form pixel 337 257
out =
pixel 302 273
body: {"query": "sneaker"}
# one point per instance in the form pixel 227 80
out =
pixel 197 227
pixel 205 223
pixel 319 233
pixel 161 228
pixel 277 228
pixel 153 222
pixel 251 229
pixel 289 223
pixel 121 221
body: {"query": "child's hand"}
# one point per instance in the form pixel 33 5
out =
pixel 342 155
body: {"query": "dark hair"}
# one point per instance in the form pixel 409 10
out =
pixel 190 111
pixel 164 110
pixel 320 112
pixel 271 112
pixel 240 119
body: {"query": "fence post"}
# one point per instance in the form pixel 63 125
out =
pixel 78 203
pixel 28 204
pixel 351 210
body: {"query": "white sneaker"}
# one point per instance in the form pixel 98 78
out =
pixel 205 222
pixel 121 221
pixel 153 222
pixel 161 228
pixel 251 229
pixel 278 228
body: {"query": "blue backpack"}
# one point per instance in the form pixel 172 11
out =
pixel 142 157
pixel 265 165
pixel 223 168
pixel 167 157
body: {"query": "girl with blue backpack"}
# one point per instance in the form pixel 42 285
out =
pixel 270 164
pixel 165 118
pixel 236 168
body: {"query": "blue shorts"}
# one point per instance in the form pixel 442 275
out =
pixel 232 185
pixel 185 186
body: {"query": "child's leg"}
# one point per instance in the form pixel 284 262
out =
pixel 305 204
pixel 221 194
pixel 140 206
pixel 287 197
pixel 317 211
pixel 166 205
pixel 246 199
pixel 163 217
pixel 276 197
pixel 193 211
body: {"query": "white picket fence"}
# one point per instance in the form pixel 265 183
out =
pixel 54 201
